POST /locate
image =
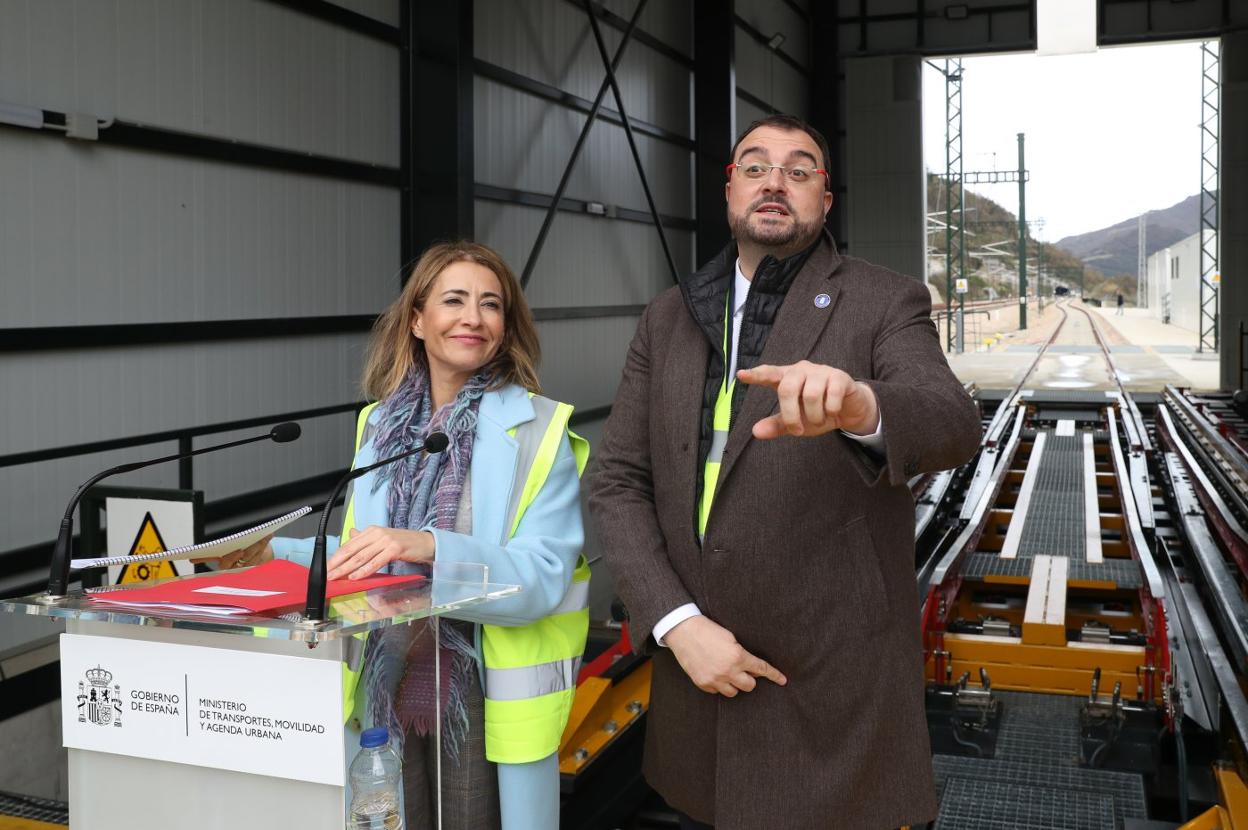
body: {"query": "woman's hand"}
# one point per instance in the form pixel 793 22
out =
pixel 256 554
pixel 374 548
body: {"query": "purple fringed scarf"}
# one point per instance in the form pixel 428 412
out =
pixel 424 491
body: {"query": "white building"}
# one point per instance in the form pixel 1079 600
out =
pixel 1174 283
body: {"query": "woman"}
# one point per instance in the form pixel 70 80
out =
pixel 457 352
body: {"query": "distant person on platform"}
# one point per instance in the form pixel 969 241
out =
pixel 457 353
pixel 1120 302
pixel 753 505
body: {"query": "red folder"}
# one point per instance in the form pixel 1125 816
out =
pixel 276 585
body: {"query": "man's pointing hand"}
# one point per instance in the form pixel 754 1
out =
pixel 814 399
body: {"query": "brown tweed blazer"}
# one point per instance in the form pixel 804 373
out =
pixel 808 558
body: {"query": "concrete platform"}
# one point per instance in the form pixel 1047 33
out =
pixel 1149 354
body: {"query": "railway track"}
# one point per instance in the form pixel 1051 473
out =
pixel 1084 621
pixel 1085 626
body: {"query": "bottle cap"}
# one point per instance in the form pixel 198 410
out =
pixel 375 737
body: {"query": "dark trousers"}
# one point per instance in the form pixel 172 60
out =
pixel 687 823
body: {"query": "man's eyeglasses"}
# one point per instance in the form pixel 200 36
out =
pixel 797 174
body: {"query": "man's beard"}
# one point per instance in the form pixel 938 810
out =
pixel 776 238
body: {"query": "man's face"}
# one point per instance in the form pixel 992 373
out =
pixel 775 212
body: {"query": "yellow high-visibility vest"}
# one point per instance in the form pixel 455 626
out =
pixel 530 670
pixel 720 423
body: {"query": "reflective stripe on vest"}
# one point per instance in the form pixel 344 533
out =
pixel 532 681
pixel 719 437
pixel 543 657
pixel 353 654
pixel 530 670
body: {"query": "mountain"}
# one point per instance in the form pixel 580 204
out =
pixel 992 250
pixel 1115 250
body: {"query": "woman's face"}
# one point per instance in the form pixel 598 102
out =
pixel 462 322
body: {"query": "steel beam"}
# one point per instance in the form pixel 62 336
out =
pixel 594 110
pixel 436 154
pixel 628 134
pixel 714 118
pixel 1210 114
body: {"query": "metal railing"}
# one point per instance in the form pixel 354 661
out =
pixel 976 318
pixel 24 569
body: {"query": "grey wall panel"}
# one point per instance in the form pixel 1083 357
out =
pixel 762 72
pixel 525 142
pixel 587 260
pixel 326 444
pixel 110 393
pixel 387 11
pixel 550 41
pixel 582 359
pixel 885 201
pixel 670 21
pixel 93 234
pixel 71 398
pixel 747 114
pixel 244 69
pixel 773 17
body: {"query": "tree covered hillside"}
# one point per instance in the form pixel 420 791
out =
pixel 992 252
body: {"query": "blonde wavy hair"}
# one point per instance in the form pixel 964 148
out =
pixel 393 350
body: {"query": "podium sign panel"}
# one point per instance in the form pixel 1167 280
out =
pixel 263 714
pixel 173 726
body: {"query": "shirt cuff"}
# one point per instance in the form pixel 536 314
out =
pixel 673 619
pixel 874 441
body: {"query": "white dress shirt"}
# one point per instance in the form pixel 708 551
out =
pixel 874 441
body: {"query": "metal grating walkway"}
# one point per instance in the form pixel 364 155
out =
pixel 1124 789
pixel 969 804
pixel 31 808
pixel 1039 728
pixel 1054 521
pixel 1035 780
pixel 1124 573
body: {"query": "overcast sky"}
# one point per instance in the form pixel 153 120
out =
pixel 1108 134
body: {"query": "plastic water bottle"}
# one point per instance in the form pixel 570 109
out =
pixel 376 779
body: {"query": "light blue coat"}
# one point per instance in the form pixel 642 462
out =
pixel 540 558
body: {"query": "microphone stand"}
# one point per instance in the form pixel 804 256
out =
pixel 62 551
pixel 314 611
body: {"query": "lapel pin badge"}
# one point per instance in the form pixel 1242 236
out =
pixel 822 301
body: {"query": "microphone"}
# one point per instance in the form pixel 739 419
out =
pixel 58 576
pixel 314 611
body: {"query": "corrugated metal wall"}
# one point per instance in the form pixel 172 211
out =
pixel 771 78
pixel 523 142
pixel 93 234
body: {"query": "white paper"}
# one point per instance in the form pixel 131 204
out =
pixel 204 550
pixel 236 592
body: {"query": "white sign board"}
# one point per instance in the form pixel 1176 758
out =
pixel 265 714
pixel 171 522
pixel 960 285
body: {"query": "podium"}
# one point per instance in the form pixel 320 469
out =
pixel 193 720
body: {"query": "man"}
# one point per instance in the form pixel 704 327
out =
pixel 759 527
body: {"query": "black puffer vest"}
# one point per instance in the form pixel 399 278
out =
pixel 706 296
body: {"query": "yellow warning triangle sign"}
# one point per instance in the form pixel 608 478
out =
pixel 147 540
